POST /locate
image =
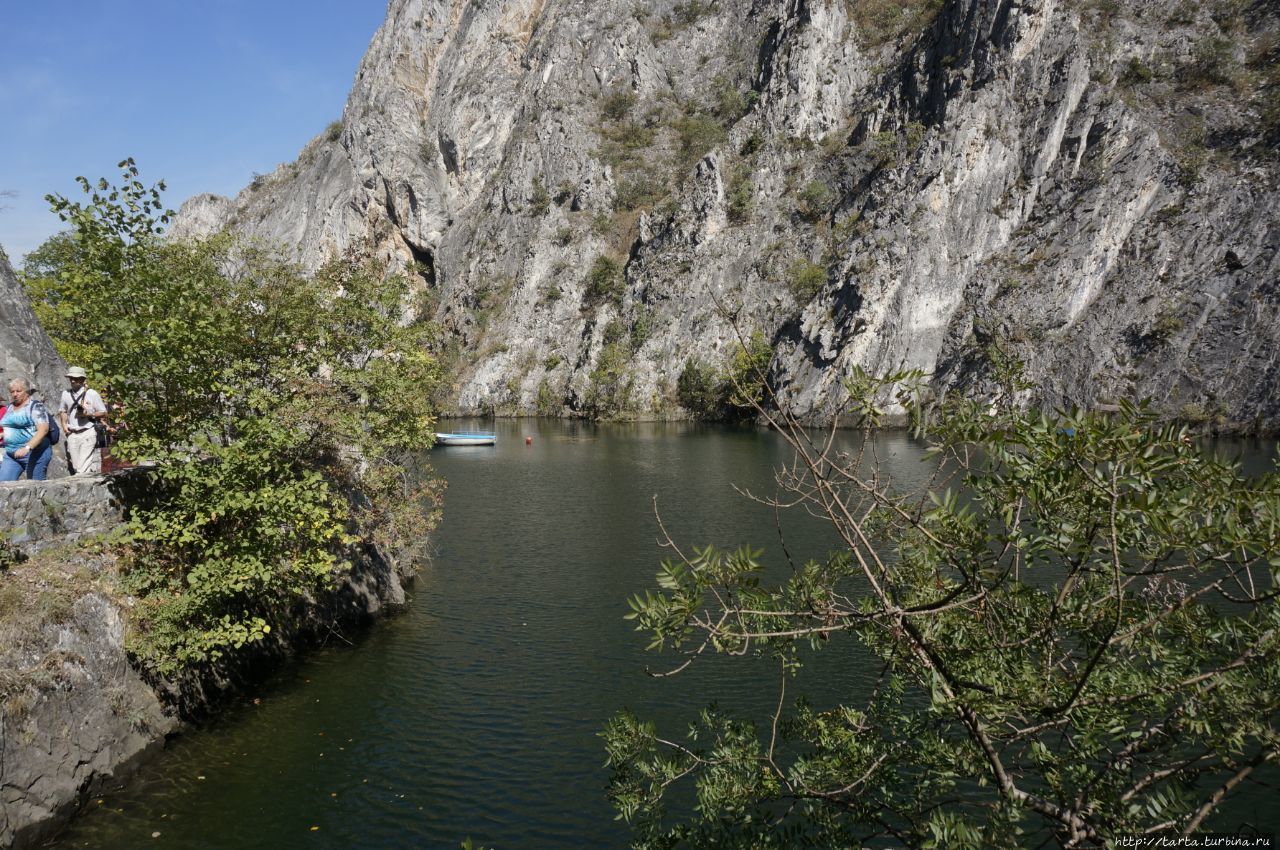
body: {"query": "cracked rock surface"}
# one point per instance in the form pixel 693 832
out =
pixel 79 717
pixel 1090 187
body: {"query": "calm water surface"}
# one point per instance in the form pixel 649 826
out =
pixel 477 712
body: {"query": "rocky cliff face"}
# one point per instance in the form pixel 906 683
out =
pixel 598 193
pixel 25 350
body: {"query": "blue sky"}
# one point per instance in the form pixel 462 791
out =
pixel 202 94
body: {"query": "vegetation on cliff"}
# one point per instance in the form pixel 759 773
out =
pixel 1074 628
pixel 275 405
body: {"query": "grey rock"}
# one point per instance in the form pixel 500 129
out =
pixel 27 352
pixel 76 719
pixel 1090 188
pixel 88 721
pixel 25 349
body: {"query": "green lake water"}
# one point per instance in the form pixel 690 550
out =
pixel 476 713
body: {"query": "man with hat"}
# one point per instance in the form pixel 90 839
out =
pixel 79 408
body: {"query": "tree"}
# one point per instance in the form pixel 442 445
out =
pixel 274 404
pixel 1075 633
pixel 733 393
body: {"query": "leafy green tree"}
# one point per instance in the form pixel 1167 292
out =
pixel 733 393
pixel 746 382
pixel 276 406
pixel 1074 633
pixel 697 391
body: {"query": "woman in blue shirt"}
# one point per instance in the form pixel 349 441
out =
pixel 26 430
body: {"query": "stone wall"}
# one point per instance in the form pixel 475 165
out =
pixel 38 515
pixel 82 723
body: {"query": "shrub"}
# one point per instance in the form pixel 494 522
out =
pixel 610 393
pixel 730 103
pixel 640 190
pixel 641 328
pixel 687 12
pixel 251 385
pixel 695 136
pixel 605 281
pixel 805 280
pixel 729 394
pixel 848 227
pixel 548 402
pixel 540 199
pixel 1213 64
pixel 617 105
pixel 1136 73
pixel 815 200
pixel 745 384
pixel 740 196
pixel 1166 325
pixel 881 21
pixel 1195 414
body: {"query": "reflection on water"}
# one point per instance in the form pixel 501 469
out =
pixel 477 712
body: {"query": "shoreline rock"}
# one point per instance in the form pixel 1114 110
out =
pixel 76 719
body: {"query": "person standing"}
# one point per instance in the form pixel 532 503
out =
pixel 78 410
pixel 26 431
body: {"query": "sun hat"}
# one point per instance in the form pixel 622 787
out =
pixel 76 372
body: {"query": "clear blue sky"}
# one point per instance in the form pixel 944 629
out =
pixel 202 94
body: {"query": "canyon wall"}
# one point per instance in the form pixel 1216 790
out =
pixel 598 194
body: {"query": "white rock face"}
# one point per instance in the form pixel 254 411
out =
pixel 1094 193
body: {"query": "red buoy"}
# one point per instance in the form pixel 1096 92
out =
pixel 528 441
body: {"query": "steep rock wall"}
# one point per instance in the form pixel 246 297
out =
pixel 1087 186
pixel 25 350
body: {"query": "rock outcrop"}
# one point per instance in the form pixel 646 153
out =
pixel 76 718
pixel 27 352
pixel 25 349
pixel 598 193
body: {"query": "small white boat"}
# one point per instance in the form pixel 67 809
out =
pixel 466 439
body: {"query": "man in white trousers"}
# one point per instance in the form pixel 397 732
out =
pixel 79 408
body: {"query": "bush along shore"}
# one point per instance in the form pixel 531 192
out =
pixel 78 714
pixel 275 411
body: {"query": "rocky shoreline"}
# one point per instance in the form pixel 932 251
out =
pixel 77 719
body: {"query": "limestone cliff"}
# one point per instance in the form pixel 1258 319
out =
pixel 598 193
pixel 25 350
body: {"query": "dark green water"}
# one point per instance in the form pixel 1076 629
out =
pixel 477 712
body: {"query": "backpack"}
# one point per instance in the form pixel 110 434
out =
pixel 55 432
